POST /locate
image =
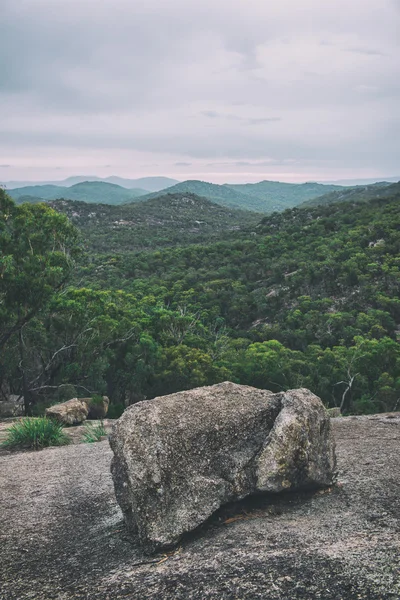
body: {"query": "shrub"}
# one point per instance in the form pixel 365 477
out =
pixel 98 407
pixel 97 400
pixel 34 434
pixel 94 433
pixel 39 409
pixel 115 411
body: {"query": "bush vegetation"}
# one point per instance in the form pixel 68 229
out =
pixel 308 297
pixel 34 434
pixel 94 432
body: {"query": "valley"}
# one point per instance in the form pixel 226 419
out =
pixel 178 291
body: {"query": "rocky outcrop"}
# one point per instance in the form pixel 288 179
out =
pixel 12 407
pixel 97 408
pixel 178 458
pixel 72 412
pixel 334 412
pixel 77 410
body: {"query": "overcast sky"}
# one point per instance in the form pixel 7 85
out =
pixel 220 90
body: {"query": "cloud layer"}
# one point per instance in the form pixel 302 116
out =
pixel 230 90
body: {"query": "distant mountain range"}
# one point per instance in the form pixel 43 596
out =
pixel 360 193
pixel 149 184
pixel 88 191
pixel 263 197
pixel 356 182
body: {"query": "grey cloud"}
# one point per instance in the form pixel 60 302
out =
pixel 211 114
pixel 366 51
pixel 244 163
pixel 263 120
pixel 240 83
pixel 5 166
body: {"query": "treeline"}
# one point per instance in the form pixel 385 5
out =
pixel 308 297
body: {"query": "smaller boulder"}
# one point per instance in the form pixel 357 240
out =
pixel 12 407
pixel 72 412
pixel 334 412
pixel 98 406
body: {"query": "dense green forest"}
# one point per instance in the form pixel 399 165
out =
pixel 169 220
pixel 307 297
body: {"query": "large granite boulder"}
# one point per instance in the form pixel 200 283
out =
pixel 178 458
pixel 72 412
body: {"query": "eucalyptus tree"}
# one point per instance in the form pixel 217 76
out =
pixel 37 251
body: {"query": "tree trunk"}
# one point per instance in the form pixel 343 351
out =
pixel 25 387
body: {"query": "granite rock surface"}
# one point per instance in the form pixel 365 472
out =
pixel 179 458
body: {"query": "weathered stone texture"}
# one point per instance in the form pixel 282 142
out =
pixel 178 458
pixel 12 407
pixel 77 410
pixel 72 412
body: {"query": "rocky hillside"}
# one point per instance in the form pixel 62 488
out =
pixel 166 220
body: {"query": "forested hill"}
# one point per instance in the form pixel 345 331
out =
pixel 171 219
pixel 340 251
pixel 149 184
pixel 221 194
pixel 304 298
pixel 309 298
pixel 87 191
pixel 357 194
pixel 278 196
pixel 263 197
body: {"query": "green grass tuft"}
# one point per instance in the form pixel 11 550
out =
pixel 97 400
pixel 94 433
pixel 34 434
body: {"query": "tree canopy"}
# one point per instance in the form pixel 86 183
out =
pixel 304 298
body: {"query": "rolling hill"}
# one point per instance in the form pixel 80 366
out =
pixel 278 196
pixel 300 296
pixel 356 194
pixel 150 184
pixel 221 194
pixel 173 219
pixel 308 297
pixel 264 197
pixel 87 191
